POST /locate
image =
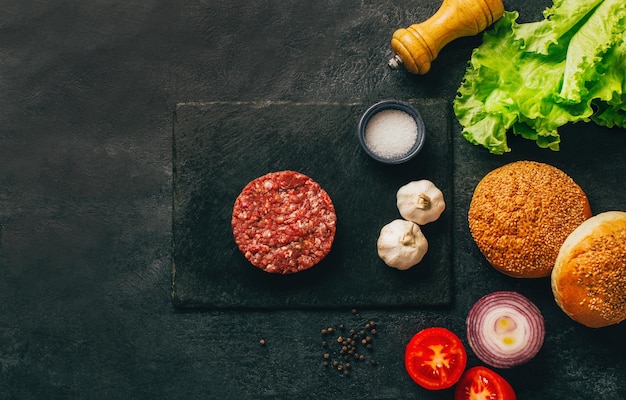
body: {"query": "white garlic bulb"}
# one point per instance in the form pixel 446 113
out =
pixel 420 201
pixel 401 244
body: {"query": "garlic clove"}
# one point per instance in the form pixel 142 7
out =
pixel 401 244
pixel 420 201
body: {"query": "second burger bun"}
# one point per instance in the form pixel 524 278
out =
pixel 589 276
pixel 520 215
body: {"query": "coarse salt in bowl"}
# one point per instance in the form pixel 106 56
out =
pixel 391 131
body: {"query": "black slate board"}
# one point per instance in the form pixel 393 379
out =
pixel 220 146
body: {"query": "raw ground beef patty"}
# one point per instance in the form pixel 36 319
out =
pixel 284 222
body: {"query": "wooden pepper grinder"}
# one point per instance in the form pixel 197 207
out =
pixel 419 44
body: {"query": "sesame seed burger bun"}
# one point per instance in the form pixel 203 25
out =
pixel 589 276
pixel 520 215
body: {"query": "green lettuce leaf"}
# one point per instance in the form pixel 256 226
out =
pixel 533 78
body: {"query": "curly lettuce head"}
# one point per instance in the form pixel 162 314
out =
pixel 533 78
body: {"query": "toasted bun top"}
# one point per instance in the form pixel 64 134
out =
pixel 520 215
pixel 589 276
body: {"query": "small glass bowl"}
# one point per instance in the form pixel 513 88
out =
pixel 392 105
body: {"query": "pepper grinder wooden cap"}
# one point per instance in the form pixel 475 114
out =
pixel 418 45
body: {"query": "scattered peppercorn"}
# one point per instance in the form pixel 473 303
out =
pixel 350 343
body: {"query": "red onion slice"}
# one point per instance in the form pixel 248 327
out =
pixel 505 329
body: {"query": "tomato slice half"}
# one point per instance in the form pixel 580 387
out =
pixel 435 358
pixel 481 383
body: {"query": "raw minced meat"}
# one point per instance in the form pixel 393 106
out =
pixel 284 222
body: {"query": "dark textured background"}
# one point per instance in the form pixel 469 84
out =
pixel 87 95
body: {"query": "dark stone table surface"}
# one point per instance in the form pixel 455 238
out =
pixel 88 91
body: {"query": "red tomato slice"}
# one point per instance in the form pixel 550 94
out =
pixel 481 383
pixel 435 358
